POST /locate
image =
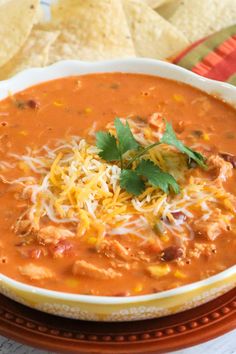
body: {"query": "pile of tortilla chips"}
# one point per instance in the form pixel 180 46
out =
pixel 104 29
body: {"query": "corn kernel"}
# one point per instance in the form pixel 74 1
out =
pixel 179 98
pixel 205 137
pixel 72 282
pixel 164 238
pixel 92 240
pixel 158 271
pixel 23 132
pixel 58 103
pixel 88 110
pixel 180 275
pixel 138 288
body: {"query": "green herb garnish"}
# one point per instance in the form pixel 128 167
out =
pixel 156 177
pixel 107 145
pixel 170 138
pixel 133 179
pixel 131 182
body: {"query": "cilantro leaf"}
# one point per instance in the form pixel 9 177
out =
pixel 131 182
pixel 108 146
pixel 157 177
pixel 195 156
pixel 125 137
pixel 170 138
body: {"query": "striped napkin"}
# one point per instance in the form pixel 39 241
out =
pixel 213 57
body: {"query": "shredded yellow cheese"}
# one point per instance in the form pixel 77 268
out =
pixel 72 184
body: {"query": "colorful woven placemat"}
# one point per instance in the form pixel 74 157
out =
pixel 213 57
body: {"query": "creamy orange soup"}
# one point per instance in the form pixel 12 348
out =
pixel 68 223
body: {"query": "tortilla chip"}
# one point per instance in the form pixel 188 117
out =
pixel 198 18
pixel 167 10
pixel 17 18
pixel 91 30
pixel 153 36
pixel 34 53
pixel 156 3
pixel 66 46
pixel 228 18
pixel 39 16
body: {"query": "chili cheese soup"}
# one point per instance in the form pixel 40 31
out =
pixel 116 184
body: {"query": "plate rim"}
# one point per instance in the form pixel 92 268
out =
pixel 206 322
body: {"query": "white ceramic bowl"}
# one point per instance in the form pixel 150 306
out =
pixel 115 308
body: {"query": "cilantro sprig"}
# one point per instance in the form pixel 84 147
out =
pixel 170 138
pixel 156 177
pixel 133 179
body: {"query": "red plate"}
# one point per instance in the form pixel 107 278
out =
pixel 152 336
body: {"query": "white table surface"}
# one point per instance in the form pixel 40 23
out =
pixel 225 344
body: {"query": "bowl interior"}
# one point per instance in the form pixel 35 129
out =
pixel 32 77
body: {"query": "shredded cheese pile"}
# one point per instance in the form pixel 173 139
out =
pixel 72 184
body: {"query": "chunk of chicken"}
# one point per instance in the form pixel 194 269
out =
pixel 213 226
pixel 23 227
pixel 157 122
pixel 35 272
pixel 114 249
pixel 159 270
pixel 53 234
pixel 204 249
pixel 229 158
pixel 221 168
pixel 90 270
